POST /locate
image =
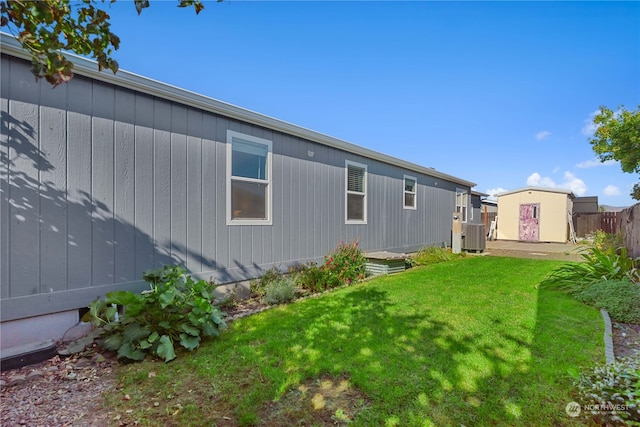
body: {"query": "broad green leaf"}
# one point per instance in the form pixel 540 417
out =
pixel 110 313
pixel 153 337
pixel 123 298
pixel 165 349
pixel 189 342
pixel 209 329
pixel 191 330
pixel 112 342
pixel 145 344
pixel 167 298
pixel 135 332
pixel 127 350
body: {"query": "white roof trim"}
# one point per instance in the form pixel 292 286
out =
pixel 543 189
pixel 85 67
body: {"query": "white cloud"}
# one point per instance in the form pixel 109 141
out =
pixel 542 135
pixel 611 190
pixel 570 182
pixel 535 180
pixel 493 191
pixel 574 184
pixel 589 128
pixel 595 163
pixel 556 169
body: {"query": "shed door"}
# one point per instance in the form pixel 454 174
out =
pixel 529 224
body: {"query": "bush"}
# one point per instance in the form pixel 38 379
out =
pixel 610 393
pixel 598 265
pixel 280 291
pixel 310 277
pixel 434 255
pixel 345 265
pixel 176 309
pixel 607 241
pixel 620 298
pixel 258 286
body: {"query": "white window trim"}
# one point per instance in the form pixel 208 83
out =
pixel 414 192
pixel 269 181
pixel 348 163
pixel 465 192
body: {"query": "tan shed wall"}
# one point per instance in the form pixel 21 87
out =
pixel 554 225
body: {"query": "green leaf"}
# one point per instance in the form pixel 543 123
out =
pixel 165 349
pixel 112 342
pixel 191 330
pixel 164 324
pixel 210 329
pixel 167 298
pixel 145 344
pixel 153 337
pixel 135 332
pixel 123 298
pixel 127 350
pixel 189 342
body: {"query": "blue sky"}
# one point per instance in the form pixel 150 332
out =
pixel 498 93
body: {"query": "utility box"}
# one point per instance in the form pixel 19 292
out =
pixel 456 233
pixel 474 237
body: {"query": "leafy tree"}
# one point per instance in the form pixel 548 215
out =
pixel 45 28
pixel 617 137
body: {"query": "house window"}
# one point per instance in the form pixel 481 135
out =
pixel 462 203
pixel 410 185
pixel 248 180
pixel 356 194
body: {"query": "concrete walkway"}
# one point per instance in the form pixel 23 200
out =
pixel 558 251
pixel 533 246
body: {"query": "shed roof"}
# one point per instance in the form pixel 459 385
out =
pixel 542 189
pixel 82 66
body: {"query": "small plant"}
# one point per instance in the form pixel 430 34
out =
pixel 310 277
pixel 610 393
pixel 620 298
pixel 345 265
pixel 258 286
pixel 176 309
pixel 434 255
pixel 598 265
pixel 280 291
pixel 605 241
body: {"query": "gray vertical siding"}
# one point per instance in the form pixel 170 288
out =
pixel 100 183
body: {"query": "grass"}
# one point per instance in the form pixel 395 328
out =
pixel 467 342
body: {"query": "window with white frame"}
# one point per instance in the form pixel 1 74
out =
pixel 356 192
pixel 410 186
pixel 248 179
pixel 462 203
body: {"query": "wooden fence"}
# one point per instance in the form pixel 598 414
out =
pixel 587 223
pixel 629 227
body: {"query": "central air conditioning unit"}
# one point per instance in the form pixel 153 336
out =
pixel 474 237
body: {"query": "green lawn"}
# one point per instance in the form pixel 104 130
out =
pixel 468 342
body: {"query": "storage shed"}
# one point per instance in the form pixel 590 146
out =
pixel 535 214
pixel 110 175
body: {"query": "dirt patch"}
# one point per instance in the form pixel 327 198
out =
pixel 58 392
pixel 324 401
pixel 626 340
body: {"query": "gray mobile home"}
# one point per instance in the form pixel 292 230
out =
pixel 110 175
